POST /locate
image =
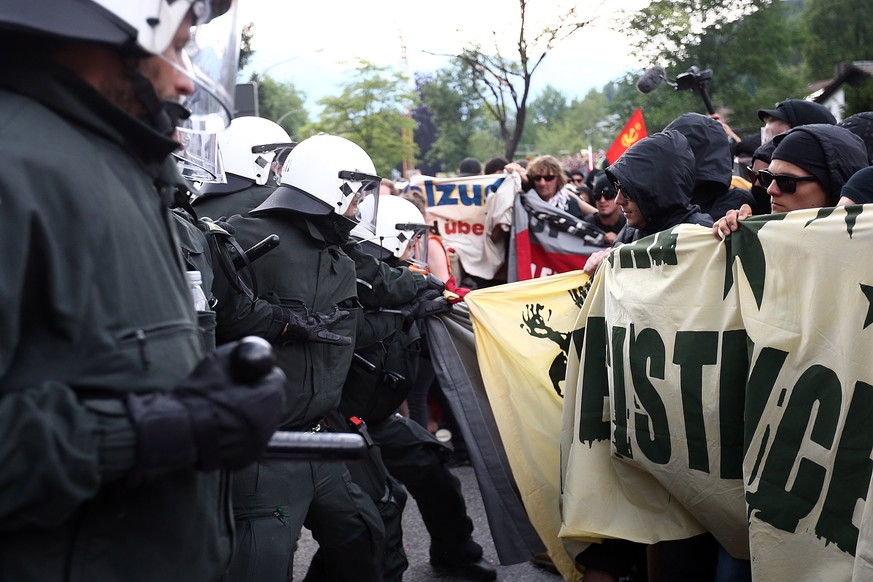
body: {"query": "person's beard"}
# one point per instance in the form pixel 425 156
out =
pixel 120 91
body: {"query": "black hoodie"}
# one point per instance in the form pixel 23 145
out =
pixel 658 173
pixel 713 165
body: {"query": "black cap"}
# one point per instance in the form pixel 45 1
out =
pixel 799 112
pixel 469 167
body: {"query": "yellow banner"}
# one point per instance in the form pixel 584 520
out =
pixel 522 332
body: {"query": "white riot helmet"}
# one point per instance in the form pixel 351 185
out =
pixel 249 147
pixel 401 230
pixel 138 29
pixel 327 174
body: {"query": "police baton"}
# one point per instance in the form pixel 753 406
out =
pixel 251 360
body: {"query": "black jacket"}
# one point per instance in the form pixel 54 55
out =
pixel 95 304
pixel 658 173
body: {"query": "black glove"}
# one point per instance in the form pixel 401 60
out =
pixel 426 303
pixel 311 328
pixel 209 421
pixel 434 282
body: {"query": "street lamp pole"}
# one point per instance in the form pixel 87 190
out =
pixel 288 60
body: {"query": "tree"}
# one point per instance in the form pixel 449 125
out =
pixel 752 48
pixel 839 31
pixel 246 52
pixel 544 113
pixel 426 129
pixel 371 111
pixel 667 28
pixel 586 122
pixel 282 103
pixel 455 110
pixel 504 84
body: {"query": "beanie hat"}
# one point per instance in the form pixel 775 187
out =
pixel 828 152
pixel 469 167
pixel 861 124
pixel 859 188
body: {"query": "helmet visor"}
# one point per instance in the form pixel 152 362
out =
pixel 211 63
pixel 416 252
pixel 362 192
pixel 198 158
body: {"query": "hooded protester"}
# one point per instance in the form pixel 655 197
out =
pixel 808 169
pixel 654 179
pixel 793 113
pixel 861 124
pixel 760 160
pixel 713 165
pixel 859 188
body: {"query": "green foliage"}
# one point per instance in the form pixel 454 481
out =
pixel 456 112
pixel 246 52
pixel 838 30
pixel 752 48
pixel 371 111
pixel 669 27
pixel 580 124
pixel 859 98
pixel 486 144
pixel 282 103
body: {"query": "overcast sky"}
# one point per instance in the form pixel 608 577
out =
pixel 315 46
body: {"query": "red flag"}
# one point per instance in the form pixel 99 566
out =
pixel 633 131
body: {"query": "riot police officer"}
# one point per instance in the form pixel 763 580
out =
pixel 109 412
pixel 313 210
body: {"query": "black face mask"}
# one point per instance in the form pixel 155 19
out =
pixel 762 199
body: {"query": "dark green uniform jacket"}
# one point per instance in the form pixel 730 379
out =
pixel 307 272
pixel 95 305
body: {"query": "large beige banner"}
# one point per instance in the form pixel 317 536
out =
pixel 728 386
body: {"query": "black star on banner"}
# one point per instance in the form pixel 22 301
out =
pixel 867 290
pixel 745 244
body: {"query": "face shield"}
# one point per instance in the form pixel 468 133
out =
pixel 361 195
pixel 278 162
pixel 211 61
pixel 416 252
pixel 367 210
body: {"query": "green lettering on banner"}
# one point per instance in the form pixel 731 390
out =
pixel 745 244
pixel 620 440
pixel 595 383
pixel 731 401
pixel 762 380
pixel 648 360
pixel 663 252
pixel 635 255
pixel 695 349
pixel 818 387
pixel 851 474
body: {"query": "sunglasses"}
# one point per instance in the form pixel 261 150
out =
pixel 579 180
pixel 753 175
pixel 785 182
pixel 545 178
pixel 619 189
pixel 607 195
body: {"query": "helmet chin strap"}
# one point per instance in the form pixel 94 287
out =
pixel 154 112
